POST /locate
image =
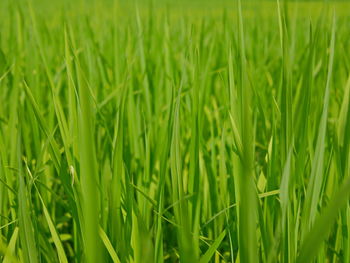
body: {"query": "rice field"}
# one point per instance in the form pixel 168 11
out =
pixel 160 131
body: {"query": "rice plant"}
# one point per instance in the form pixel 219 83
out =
pixel 155 131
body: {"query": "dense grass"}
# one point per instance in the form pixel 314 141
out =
pixel 166 133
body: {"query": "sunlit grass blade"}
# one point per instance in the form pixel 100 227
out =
pixel 88 177
pixel 108 246
pixel 323 223
pixel 26 230
pixel 317 169
pixel 211 250
pixel 10 250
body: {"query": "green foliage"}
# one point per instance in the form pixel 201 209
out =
pixel 162 132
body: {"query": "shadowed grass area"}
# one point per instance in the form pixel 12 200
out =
pixel 156 131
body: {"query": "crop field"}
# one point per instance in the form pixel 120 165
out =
pixel 158 131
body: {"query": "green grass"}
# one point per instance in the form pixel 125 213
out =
pixel 172 132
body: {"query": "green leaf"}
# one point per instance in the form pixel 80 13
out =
pixel 324 223
pixel 10 251
pixel 108 245
pixel 211 250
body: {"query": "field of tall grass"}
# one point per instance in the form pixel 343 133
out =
pixel 174 132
